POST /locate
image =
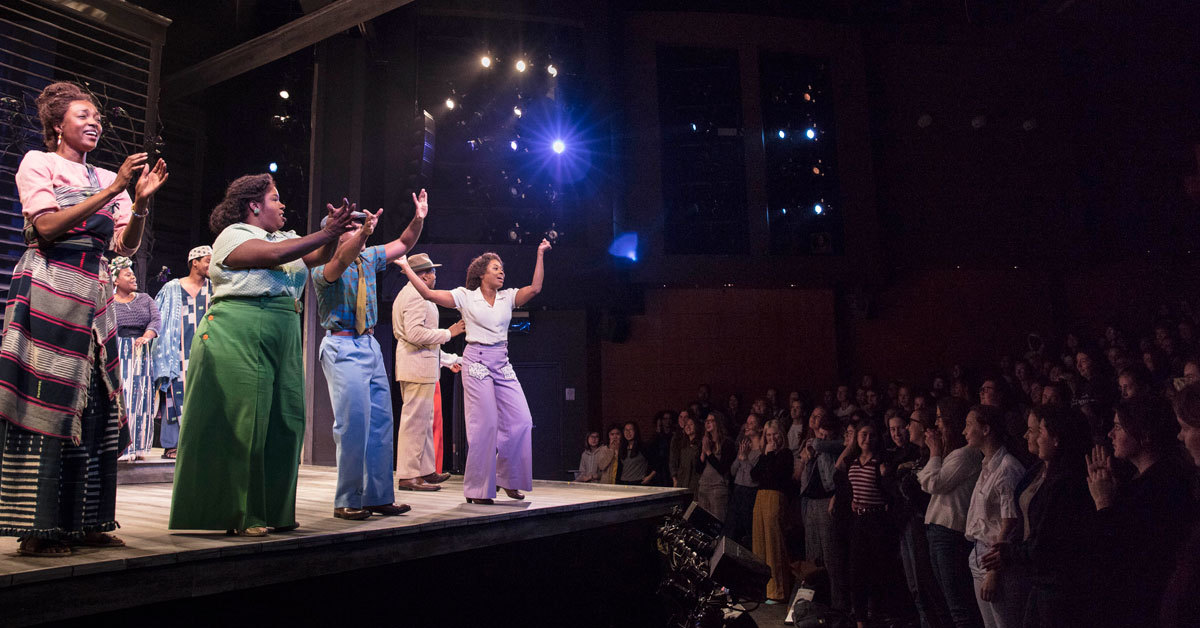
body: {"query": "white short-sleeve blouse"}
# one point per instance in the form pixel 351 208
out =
pixel 486 324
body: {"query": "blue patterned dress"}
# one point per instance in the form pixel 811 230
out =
pixel 181 314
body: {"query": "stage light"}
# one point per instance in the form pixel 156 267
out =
pixel 513 144
pixel 811 134
pixel 521 65
pixel 693 126
pixel 782 134
pixel 924 121
pixel 283 93
pixel 783 211
pixel 558 146
pixel 818 209
pixel 450 104
pixel 273 167
pixel 517 111
pixel 485 61
pixel 625 246
pixel 551 70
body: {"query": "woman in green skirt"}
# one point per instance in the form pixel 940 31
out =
pixel 239 451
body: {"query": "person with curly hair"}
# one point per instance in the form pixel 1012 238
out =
pixel 239 451
pixel 62 419
pixel 498 421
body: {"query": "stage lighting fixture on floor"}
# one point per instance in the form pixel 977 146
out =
pixel 558 146
pixel 551 70
pixel 521 65
pixel 485 61
pixel 273 167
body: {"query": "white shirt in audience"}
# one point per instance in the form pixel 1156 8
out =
pixel 950 482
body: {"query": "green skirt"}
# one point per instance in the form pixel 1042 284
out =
pixel 239 448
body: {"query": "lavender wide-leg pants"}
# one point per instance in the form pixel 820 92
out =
pixel 499 450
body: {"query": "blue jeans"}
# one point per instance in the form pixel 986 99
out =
pixel 949 551
pixel 918 572
pixel 362 420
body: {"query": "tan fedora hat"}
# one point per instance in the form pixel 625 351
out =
pixel 421 262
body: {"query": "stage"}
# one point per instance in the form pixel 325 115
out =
pixel 202 577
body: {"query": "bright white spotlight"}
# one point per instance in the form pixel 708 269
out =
pixel 450 104
pixel 550 69
pixel 810 134
pixel 818 209
pixel 273 167
pixel 558 146
pixel 783 211
pixel 693 126
pixel 513 144
pixel 485 61
pixel 782 134
pixel 283 93
pixel 517 111
pixel 521 65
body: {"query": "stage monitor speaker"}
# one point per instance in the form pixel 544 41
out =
pixel 739 570
pixel 703 520
pixel 421 151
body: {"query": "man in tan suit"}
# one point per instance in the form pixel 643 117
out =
pixel 418 362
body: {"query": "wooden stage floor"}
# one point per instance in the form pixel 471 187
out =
pixel 164 566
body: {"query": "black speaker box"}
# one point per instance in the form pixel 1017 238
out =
pixel 739 570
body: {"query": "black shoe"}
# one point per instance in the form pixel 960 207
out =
pixel 480 500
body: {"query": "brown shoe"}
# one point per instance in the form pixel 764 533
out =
pixel 390 510
pixel 436 478
pixel 416 484
pixel 353 514
pixel 512 493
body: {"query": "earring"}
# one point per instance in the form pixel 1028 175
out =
pixel 255 210
pixel 60 137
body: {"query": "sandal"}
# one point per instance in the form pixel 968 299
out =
pixel 170 453
pixel 43 547
pixel 255 531
pixel 101 539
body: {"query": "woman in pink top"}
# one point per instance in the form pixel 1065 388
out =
pixel 61 412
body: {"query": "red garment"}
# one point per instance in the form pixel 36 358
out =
pixel 437 424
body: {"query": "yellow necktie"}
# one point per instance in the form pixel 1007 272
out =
pixel 360 305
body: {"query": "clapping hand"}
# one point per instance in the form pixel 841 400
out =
pixel 544 246
pixel 935 443
pixel 151 180
pixel 127 169
pixel 339 219
pixel 421 204
pixel 1100 477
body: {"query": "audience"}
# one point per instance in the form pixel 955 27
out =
pixel 1092 520
pixel 594 462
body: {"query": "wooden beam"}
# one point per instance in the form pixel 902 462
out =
pixel 291 37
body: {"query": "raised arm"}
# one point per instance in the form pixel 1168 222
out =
pixel 439 297
pixel 312 247
pixel 401 245
pixel 535 286
pixel 349 249
pixel 147 185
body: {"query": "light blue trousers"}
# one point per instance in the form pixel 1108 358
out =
pixel 362 420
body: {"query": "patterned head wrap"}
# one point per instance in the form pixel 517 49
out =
pixel 199 252
pixel 118 264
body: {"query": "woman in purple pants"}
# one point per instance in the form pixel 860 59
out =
pixel 497 415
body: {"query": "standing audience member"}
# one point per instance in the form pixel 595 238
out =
pixel 1057 542
pixel 659 449
pixel 772 472
pixel 739 521
pixel 614 445
pixel 872 536
pixel 823 543
pixel 993 518
pixel 949 477
pixel 911 503
pixel 1181 604
pixel 716 457
pixel 677 442
pixel 633 465
pixel 595 460
pixel 1145 521
pixel 688 476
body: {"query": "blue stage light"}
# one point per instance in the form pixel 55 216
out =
pixel 818 209
pixel 273 167
pixel 782 134
pixel 693 126
pixel 559 146
pixel 625 246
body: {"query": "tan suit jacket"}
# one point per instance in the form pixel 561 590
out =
pixel 418 339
